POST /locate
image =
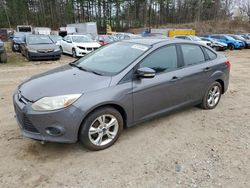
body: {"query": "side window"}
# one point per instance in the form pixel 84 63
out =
pixel 192 54
pixel 210 54
pixel 163 59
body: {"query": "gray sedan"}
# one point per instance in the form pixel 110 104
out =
pixel 37 47
pixel 118 86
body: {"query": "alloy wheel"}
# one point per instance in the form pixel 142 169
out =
pixel 103 130
pixel 213 96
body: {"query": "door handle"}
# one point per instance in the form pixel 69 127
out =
pixel 207 69
pixel 174 78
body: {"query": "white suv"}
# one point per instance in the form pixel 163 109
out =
pixel 78 45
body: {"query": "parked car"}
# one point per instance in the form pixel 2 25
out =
pixel 155 35
pixel 56 39
pixel 117 86
pixel 125 36
pixel 240 38
pixel 193 38
pixel 105 39
pixel 16 41
pixel 215 44
pixel 3 55
pixel 78 45
pixel 231 42
pixel 36 47
pixel 245 36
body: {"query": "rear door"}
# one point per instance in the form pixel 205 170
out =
pixel 165 90
pixel 197 70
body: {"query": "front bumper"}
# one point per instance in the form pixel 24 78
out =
pixel 44 56
pixel 82 52
pixel 38 125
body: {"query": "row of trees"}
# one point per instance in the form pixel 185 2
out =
pixel 120 14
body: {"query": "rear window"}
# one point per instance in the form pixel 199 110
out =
pixel 192 54
pixel 210 54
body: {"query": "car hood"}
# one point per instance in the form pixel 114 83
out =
pixel 42 46
pixel 62 81
pixel 88 44
pixel 221 43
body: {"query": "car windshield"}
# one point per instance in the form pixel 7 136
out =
pixel 111 59
pixel 230 38
pixel 245 37
pixel 36 39
pixel 82 38
pixel 106 38
pixel 239 37
pixel 55 38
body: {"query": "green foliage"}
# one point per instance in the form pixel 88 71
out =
pixel 120 14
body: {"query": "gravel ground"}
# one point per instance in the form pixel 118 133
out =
pixel 190 148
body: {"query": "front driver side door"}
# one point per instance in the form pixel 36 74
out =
pixel 163 92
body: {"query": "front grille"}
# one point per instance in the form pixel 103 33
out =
pixel 89 49
pixel 45 51
pixel 24 121
pixel 83 48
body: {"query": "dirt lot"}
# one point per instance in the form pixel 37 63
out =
pixel 191 148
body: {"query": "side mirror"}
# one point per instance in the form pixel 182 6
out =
pixel 146 72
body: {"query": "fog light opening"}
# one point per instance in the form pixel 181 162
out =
pixel 54 131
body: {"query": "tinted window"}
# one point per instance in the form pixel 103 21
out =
pixel 192 54
pixel 210 54
pixel 161 60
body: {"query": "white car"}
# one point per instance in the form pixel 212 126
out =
pixel 78 45
pixel 193 38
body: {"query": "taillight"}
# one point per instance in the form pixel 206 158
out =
pixel 228 64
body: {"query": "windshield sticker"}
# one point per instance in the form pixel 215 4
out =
pixel 139 47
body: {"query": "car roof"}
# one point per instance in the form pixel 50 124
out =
pixel 146 41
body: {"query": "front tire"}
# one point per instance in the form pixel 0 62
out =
pixel 231 47
pixel 212 96
pixel 101 129
pixel 74 53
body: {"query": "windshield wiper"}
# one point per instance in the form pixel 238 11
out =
pixel 83 69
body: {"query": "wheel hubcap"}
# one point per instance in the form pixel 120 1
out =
pixel 103 129
pixel 213 96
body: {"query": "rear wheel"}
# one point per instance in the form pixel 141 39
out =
pixel 101 129
pixel 212 96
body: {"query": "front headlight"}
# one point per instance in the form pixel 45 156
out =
pixel 57 49
pixel 55 103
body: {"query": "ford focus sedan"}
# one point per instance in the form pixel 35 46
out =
pixel 120 85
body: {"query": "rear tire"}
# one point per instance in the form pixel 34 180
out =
pixel 212 96
pixel 101 129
